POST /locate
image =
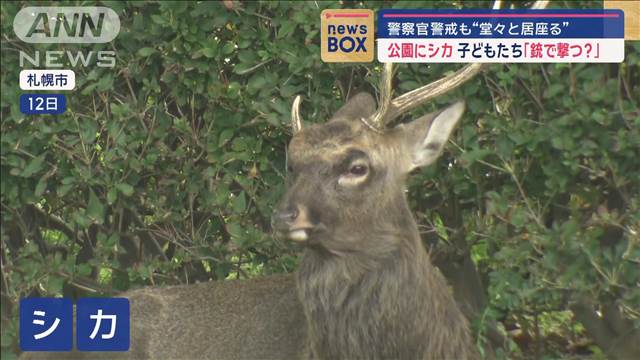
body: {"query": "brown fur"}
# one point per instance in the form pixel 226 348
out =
pixel 368 288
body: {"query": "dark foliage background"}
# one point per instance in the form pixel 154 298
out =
pixel 166 168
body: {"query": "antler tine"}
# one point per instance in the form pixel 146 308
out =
pixel 296 120
pixel 376 121
pixel 417 97
pixel 540 4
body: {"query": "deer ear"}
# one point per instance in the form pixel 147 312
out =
pixel 360 105
pixel 427 136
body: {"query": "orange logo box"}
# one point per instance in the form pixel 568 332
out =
pixel 347 35
pixel 631 16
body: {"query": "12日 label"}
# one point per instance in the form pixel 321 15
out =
pixel 38 104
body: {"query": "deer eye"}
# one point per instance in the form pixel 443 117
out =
pixel 358 170
pixel 355 174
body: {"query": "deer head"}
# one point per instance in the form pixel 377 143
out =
pixel 346 177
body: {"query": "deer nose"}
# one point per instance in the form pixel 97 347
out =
pixel 286 216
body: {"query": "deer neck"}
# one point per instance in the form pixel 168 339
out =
pixel 367 299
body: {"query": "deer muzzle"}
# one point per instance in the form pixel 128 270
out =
pixel 292 223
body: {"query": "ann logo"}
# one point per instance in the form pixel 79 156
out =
pixel 76 26
pixel 66 24
pixel 347 35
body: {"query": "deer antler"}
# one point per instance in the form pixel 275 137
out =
pixel 419 96
pixel 377 120
pixel 389 110
pixel 296 120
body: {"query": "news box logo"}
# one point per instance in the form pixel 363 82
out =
pixel 347 35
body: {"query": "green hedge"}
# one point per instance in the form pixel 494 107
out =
pixel 166 168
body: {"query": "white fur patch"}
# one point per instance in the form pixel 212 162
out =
pixel 298 235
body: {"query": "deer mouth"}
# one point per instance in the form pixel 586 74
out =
pixel 305 235
pixel 299 235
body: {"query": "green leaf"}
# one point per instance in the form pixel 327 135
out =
pixel 209 52
pixel 554 90
pixel 54 285
pixel 105 83
pixel 286 29
pixel 225 136
pixel 237 233
pixel 125 189
pixel 112 196
pixel 41 186
pixel 120 280
pixel 158 19
pixel 474 155
pixel 146 51
pixel 34 166
pixel 248 56
pixel 83 269
pixel 257 82
pixel 95 209
pixel 241 68
pixel 239 144
pixel 239 203
pixel 228 48
pixel 64 189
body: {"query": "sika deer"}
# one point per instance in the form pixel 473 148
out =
pixel 366 283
